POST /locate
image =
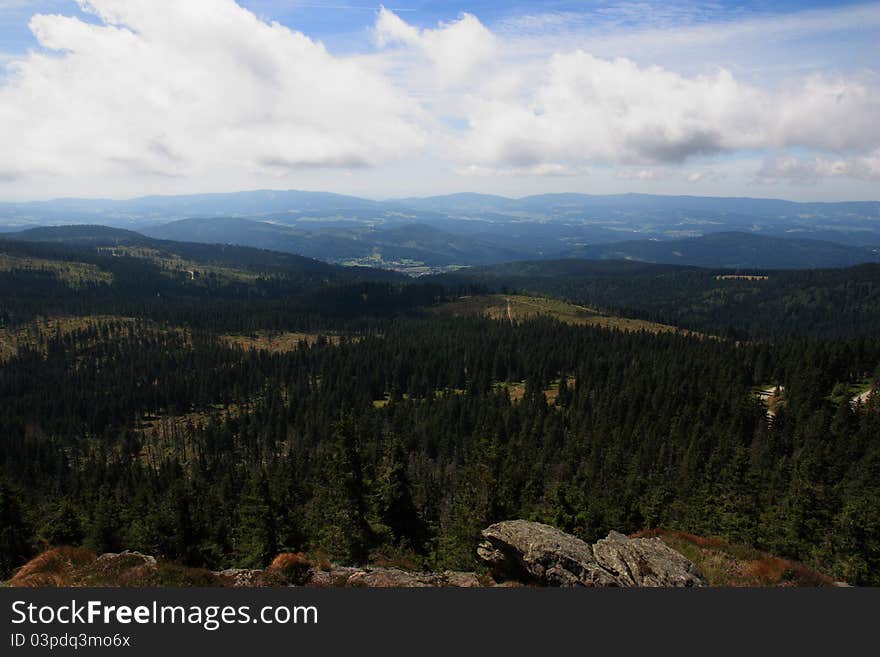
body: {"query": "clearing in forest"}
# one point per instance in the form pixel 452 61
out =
pixel 518 308
pixel 74 275
pixel 39 331
pixel 277 342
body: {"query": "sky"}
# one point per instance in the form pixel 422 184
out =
pixel 123 98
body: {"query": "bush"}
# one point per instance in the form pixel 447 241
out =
pixel 294 567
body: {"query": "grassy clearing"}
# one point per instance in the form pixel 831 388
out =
pixel 277 342
pixel 175 265
pixel 165 436
pixel 732 565
pixel 519 308
pixel 36 333
pixel 73 274
pixel 516 390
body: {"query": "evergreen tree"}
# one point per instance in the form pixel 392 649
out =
pixel 15 531
pixel 338 510
pixel 257 534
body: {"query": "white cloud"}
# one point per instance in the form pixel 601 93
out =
pixel 535 170
pixel 203 94
pixel 811 170
pixel 567 109
pixel 657 174
pixel 642 174
pixel 169 88
pixel 584 108
pixel 454 49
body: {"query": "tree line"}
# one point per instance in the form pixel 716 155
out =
pixel 410 435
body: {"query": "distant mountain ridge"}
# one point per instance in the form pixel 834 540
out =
pixel 441 233
pixel 735 250
pixel 421 248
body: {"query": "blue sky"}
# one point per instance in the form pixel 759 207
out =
pixel 345 24
pixel 123 97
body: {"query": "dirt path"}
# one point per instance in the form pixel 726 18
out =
pixel 509 313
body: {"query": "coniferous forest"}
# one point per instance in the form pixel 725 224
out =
pixel 138 410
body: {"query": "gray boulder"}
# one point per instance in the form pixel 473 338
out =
pixel 645 562
pixel 538 554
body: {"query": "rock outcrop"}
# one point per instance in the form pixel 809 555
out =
pixel 538 554
pixel 517 553
pixel 374 577
pixel 645 562
pixel 541 555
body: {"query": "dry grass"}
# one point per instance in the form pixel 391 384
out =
pixel 168 435
pixel 79 567
pixel 517 390
pixel 42 328
pixel 55 567
pixel 293 567
pixel 730 565
pixel 277 342
pixel 518 308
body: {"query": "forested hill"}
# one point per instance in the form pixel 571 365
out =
pixel 744 303
pixel 96 269
pixel 258 260
pixel 213 405
pixel 110 272
pixel 733 250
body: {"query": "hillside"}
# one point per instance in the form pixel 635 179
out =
pixel 411 248
pixel 825 302
pixel 515 308
pixel 735 251
pixel 100 271
pixel 417 248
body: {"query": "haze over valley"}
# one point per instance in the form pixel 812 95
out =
pixel 435 234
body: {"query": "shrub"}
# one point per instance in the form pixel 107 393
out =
pixel 294 567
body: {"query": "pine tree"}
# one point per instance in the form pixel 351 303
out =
pixel 63 526
pixel 15 531
pixel 393 498
pixel 257 533
pixel 338 509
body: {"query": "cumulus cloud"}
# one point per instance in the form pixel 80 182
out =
pixel 454 49
pixel 170 88
pixel 205 90
pixel 613 111
pixel 571 108
pixel 811 170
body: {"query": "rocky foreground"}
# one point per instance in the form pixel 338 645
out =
pixel 515 553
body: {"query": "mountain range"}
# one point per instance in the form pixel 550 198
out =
pixel 442 233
